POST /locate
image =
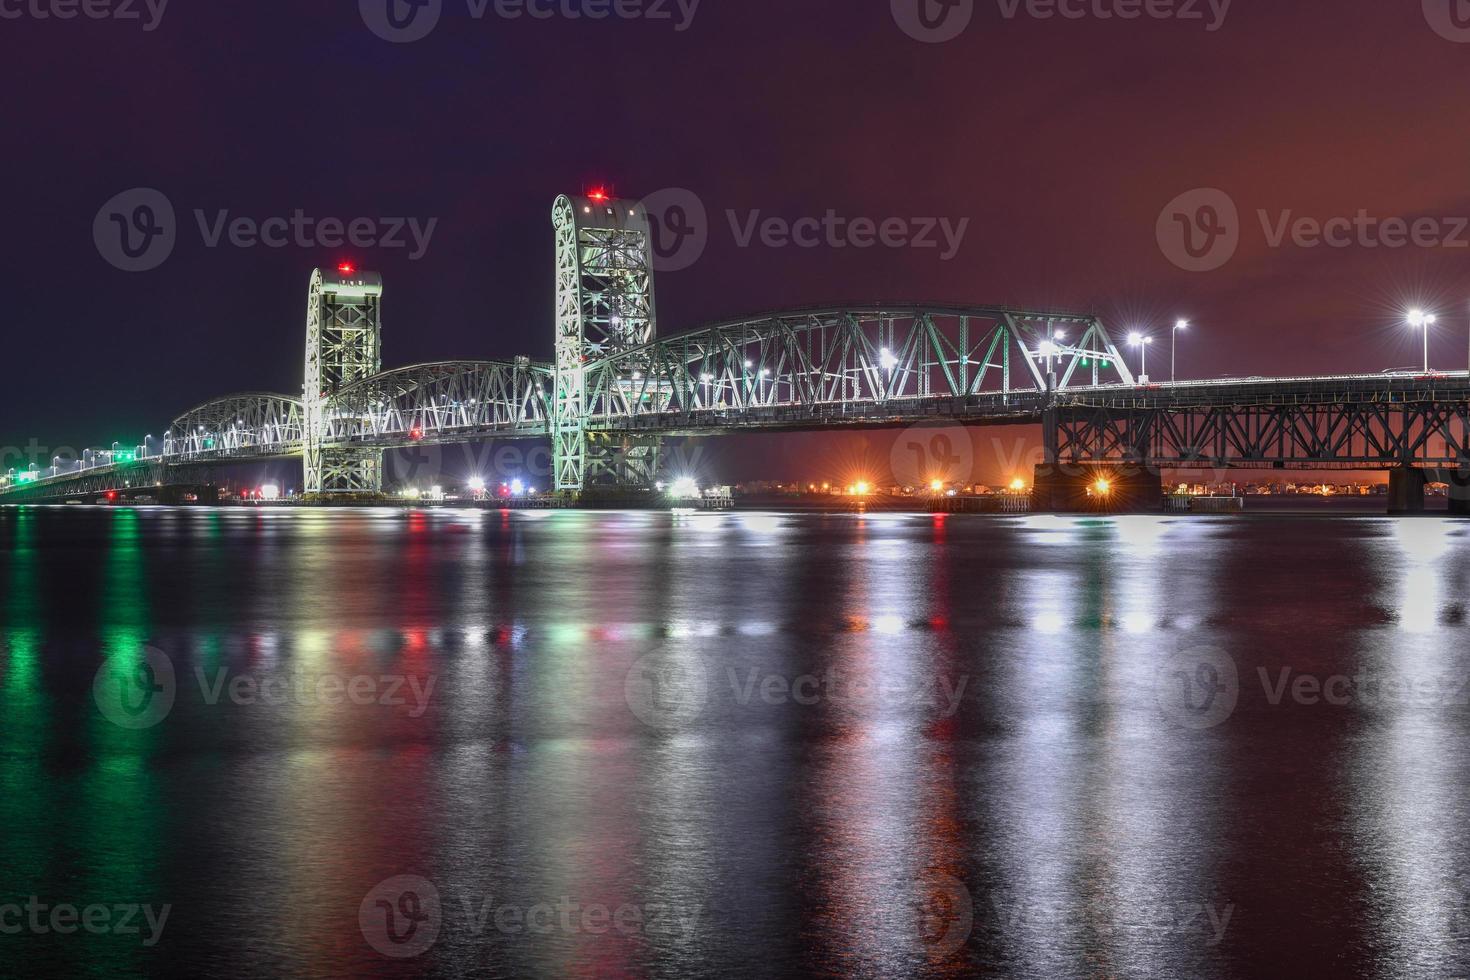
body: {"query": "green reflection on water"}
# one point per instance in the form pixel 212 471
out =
pixel 25 792
pixel 121 822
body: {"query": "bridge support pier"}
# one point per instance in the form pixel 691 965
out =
pixel 1096 488
pixel 1406 490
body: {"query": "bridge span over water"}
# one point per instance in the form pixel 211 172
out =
pixel 617 387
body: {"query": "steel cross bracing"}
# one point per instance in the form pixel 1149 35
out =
pixel 1370 421
pixel 453 401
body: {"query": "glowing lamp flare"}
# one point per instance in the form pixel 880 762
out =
pixel 684 488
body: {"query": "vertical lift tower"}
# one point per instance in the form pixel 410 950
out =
pixel 344 343
pixel 604 306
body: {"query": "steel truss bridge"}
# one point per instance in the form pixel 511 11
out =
pixel 616 388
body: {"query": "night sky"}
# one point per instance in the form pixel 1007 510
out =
pixel 1060 140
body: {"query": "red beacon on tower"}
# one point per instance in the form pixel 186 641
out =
pixel 598 194
pixel 347 268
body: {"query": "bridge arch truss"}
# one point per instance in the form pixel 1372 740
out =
pixel 247 424
pixel 851 364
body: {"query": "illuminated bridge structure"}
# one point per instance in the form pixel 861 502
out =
pixel 616 388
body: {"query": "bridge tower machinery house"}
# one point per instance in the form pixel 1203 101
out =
pixel 604 307
pixel 344 344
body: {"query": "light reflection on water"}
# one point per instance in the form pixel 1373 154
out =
pixel 840 744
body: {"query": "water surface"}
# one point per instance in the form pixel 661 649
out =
pixel 602 744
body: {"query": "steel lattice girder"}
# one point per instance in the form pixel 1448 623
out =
pixel 850 364
pixel 450 401
pixel 248 424
pixel 1305 435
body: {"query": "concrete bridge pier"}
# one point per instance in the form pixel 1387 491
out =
pixel 1406 490
pixel 1096 488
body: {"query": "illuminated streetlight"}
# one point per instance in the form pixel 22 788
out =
pixel 1420 320
pixel 1141 342
pixel 1174 344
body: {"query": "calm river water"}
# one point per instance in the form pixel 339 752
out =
pixel 464 743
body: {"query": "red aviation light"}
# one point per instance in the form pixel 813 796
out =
pixel 598 194
pixel 347 268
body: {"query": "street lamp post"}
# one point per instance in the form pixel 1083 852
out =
pixel 1174 346
pixel 1141 342
pixel 1423 321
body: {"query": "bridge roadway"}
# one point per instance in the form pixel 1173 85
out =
pixel 1376 421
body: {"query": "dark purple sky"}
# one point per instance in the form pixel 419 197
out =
pixel 1061 140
